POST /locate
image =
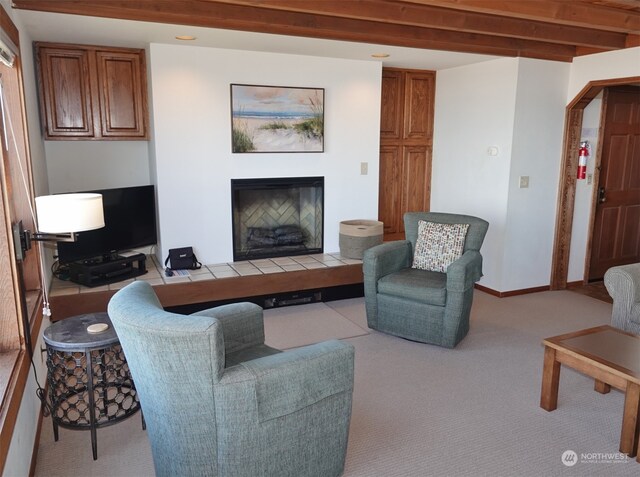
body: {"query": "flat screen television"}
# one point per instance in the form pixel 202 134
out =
pixel 130 222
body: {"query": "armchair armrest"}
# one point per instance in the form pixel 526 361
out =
pixel 623 284
pixel 290 381
pixel 242 325
pixel 464 272
pixel 377 262
pixel 386 258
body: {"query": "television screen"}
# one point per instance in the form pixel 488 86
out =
pixel 130 222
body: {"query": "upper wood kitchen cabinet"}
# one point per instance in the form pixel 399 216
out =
pixel 92 92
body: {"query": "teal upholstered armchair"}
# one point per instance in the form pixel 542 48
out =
pixel 217 401
pixel 417 304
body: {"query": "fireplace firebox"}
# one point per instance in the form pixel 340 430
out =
pixel 276 217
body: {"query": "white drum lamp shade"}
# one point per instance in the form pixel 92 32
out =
pixel 69 213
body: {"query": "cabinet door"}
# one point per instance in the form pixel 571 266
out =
pixel 389 199
pixel 416 183
pixel 65 93
pixel 392 104
pixel 122 94
pixel 418 109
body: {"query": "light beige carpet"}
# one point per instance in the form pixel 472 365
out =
pixel 301 325
pixel 422 411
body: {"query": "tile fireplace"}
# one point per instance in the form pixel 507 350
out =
pixel 275 217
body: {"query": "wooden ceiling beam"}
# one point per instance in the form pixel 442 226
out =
pixel 630 4
pixel 237 17
pixel 632 41
pixel 565 12
pixel 446 19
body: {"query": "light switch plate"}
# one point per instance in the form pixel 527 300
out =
pixel 364 168
pixel 524 182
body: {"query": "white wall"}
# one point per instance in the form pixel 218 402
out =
pixel 536 153
pixel 192 140
pixel 91 165
pixel 474 109
pixel 613 64
pixel 518 106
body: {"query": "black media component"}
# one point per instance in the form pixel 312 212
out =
pixel 130 222
pixel 96 272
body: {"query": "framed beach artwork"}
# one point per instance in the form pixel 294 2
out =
pixel 276 119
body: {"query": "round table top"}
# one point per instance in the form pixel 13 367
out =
pixel 71 333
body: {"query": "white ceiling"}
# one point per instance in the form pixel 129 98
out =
pixel 64 28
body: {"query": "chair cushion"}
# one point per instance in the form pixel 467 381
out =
pixel 438 245
pixel 420 285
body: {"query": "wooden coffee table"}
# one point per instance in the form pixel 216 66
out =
pixel 612 358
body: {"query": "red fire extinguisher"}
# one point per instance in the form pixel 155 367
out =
pixel 583 153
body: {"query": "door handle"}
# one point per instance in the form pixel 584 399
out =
pixel 601 195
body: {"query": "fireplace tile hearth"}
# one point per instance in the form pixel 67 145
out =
pixel 266 270
pixel 226 274
pixel 321 277
pixel 305 259
pixel 293 267
pixel 283 261
pixel 156 275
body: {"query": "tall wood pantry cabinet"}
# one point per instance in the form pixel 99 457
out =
pixel 92 92
pixel 406 141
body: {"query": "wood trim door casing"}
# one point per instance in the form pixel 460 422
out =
pixel 594 193
pixel 567 185
pixel 566 199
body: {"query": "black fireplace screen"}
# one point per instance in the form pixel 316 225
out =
pixel 277 217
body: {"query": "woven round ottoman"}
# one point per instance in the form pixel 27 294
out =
pixel 358 235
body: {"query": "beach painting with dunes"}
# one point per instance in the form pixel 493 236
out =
pixel 276 119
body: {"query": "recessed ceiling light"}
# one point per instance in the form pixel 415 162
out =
pixel 185 37
pixel 380 55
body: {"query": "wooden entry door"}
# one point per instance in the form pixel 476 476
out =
pixel 616 231
pixel 406 140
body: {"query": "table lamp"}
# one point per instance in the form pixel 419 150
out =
pixel 60 218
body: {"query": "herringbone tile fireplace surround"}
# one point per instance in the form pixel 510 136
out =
pixel 277 217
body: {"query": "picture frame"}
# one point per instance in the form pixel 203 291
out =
pixel 276 119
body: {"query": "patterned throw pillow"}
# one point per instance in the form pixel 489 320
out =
pixel 438 245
